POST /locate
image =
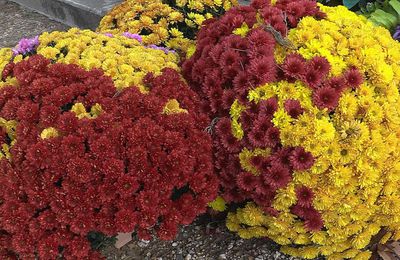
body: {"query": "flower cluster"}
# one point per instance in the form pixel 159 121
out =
pixel 173 24
pixel 26 46
pixel 235 53
pixel 78 156
pixel 307 138
pixel 5 58
pixel 121 57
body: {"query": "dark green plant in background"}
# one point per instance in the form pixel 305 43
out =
pixel 99 241
pixel 383 13
pixel 348 3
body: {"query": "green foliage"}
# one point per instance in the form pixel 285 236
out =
pixel 98 240
pixel 383 13
pixel 350 3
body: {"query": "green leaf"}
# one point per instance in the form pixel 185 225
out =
pixel 396 6
pixel 350 3
pixel 383 18
pixel 374 21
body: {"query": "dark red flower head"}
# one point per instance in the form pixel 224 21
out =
pixel 301 160
pixel 313 219
pixel 260 38
pixel 337 83
pixel 294 66
pixel 304 196
pixel 293 108
pixel 272 137
pixel 326 97
pixel 264 69
pixel 258 4
pixel 320 65
pixel 268 107
pixel 256 161
pixel 229 58
pixel 246 181
pixel 278 176
pixel 313 78
pixel 354 77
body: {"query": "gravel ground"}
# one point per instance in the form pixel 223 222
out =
pixel 17 22
pixel 197 241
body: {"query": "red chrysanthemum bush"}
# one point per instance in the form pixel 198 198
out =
pixel 229 61
pixel 83 157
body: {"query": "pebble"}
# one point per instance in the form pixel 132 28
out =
pixel 222 257
pixel 143 243
pixel 174 244
pixel 188 257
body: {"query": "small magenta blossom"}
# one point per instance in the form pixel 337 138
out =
pixel 26 45
pixel 133 36
pixel 155 47
pixel 109 35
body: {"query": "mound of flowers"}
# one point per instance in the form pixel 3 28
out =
pixel 307 136
pixel 120 56
pixel 173 24
pixel 79 156
pixel 229 60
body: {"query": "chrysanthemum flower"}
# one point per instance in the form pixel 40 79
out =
pixel 353 77
pixel 304 196
pixel 294 66
pixel 293 108
pixel 300 159
pixel 326 97
pixel 278 176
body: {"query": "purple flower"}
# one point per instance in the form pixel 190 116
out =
pixel 26 45
pixel 133 36
pixel 155 47
pixel 109 35
pixel 396 34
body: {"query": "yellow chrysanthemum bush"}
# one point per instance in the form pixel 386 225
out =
pixel 171 24
pixel 122 57
pixel 304 104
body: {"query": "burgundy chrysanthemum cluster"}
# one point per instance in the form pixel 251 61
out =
pixel 273 171
pixel 225 66
pixel 131 168
pixel 314 73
